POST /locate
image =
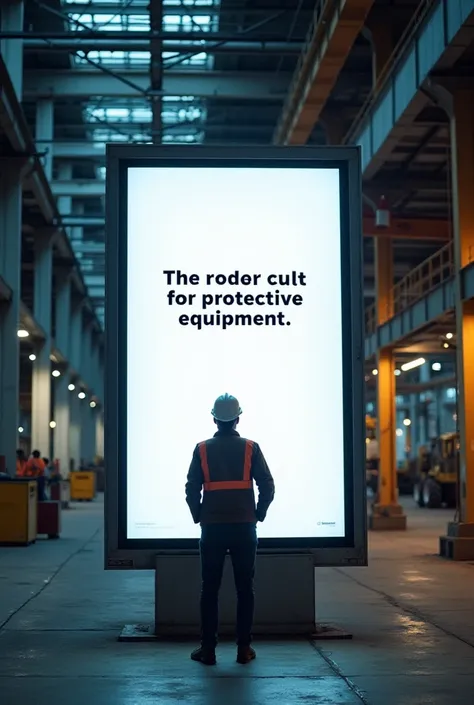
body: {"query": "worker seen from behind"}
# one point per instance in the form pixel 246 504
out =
pixel 35 469
pixel 224 468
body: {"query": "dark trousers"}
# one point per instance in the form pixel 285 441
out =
pixel 240 540
pixel 41 482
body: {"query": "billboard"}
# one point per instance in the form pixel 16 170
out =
pixel 234 271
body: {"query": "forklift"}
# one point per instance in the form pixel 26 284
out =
pixel 436 481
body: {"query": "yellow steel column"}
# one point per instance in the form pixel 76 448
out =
pixel 386 514
pixel 459 542
pixel 383 249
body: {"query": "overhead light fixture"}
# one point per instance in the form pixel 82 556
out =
pixel 436 366
pixel 406 422
pixel 92 404
pixel 20 429
pixel 56 373
pixel 71 387
pixel 413 364
pixel 32 357
pixel 22 333
pixel 449 336
pixel 52 424
pixel 397 373
pixel 375 372
pixel 446 345
pixel 399 432
pixel 82 395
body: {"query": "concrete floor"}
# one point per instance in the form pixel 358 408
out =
pixel 411 615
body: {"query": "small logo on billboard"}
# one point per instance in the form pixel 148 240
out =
pixel 120 563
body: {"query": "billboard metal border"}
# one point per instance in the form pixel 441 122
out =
pixel 140 554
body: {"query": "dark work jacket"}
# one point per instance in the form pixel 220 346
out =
pixel 226 458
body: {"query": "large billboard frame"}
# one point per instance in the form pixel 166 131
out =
pixel 124 553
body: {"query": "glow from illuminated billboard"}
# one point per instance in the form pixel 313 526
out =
pixel 234 285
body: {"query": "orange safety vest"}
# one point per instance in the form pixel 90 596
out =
pixel 34 468
pixel 244 484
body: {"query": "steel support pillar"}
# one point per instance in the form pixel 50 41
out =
pixel 45 133
pixel 459 542
pixel 11 20
pixel 75 402
pixel 387 514
pixel 99 434
pixel 87 429
pixel 62 395
pixel 41 387
pixel 10 271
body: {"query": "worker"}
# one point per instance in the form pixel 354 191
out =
pixel 35 469
pixel 225 467
pixel 20 462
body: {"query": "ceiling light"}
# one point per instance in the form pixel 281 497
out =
pixel 414 363
pixel 92 405
pixel 397 373
pixel 71 387
pixel 56 373
pixel 406 422
pixel 449 336
pixel 82 395
pixel 399 432
pixel 52 424
pixel 436 366
pixel 375 372
pixel 22 333
pixel 20 429
pixel 32 357
pixel 446 345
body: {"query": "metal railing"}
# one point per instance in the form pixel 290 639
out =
pixel 397 55
pixel 415 285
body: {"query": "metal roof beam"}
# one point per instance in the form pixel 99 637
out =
pixel 141 8
pixel 123 42
pixel 333 31
pixel 431 230
pixel 79 188
pixel 201 84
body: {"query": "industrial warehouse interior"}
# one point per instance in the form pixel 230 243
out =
pixel 95 603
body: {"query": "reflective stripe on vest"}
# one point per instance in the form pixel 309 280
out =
pixel 245 484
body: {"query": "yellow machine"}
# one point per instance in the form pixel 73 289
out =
pixel 436 480
pixel 18 512
pixel 82 484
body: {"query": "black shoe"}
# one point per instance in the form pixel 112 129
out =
pixel 204 655
pixel 245 654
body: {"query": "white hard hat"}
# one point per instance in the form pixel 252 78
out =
pixel 226 408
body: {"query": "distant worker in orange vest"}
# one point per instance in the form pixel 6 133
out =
pixel 35 469
pixel 224 467
pixel 20 462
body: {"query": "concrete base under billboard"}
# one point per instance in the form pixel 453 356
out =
pixel 284 600
pixel 284 595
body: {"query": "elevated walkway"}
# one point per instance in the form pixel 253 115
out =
pixel 411 614
pixel 424 296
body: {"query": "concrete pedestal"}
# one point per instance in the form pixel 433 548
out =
pixel 284 600
pixel 387 518
pixel 458 544
pixel 284 596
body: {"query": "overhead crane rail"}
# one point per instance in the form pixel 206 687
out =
pixel 334 27
pixel 431 273
pixel 418 18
